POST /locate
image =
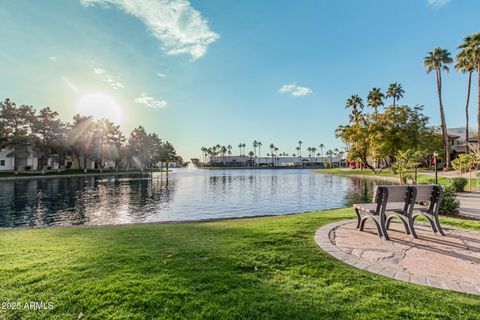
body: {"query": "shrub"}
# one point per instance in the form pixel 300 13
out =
pixel 450 204
pixel 458 184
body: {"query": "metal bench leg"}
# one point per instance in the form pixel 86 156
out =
pixel 412 227
pixel 362 223
pixel 432 222
pixel 437 222
pixel 383 229
pixel 387 224
pixel 359 218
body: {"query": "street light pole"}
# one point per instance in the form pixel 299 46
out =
pixel 435 158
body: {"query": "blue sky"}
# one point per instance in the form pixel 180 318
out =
pixel 205 72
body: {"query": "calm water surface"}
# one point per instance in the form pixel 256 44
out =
pixel 185 195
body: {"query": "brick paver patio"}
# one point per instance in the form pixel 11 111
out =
pixel 451 262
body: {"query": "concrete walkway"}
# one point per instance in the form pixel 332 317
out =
pixel 449 262
pixel 470 203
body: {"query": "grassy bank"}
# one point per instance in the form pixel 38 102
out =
pixel 260 268
pixel 69 172
pixel 421 177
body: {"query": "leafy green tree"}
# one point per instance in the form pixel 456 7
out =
pixel 17 129
pixel 80 137
pixel 464 162
pixel 407 161
pixel 438 60
pixel 49 135
pixel 167 154
pixel 137 146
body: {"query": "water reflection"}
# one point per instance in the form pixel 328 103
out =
pixel 184 195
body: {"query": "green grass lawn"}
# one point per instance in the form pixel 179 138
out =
pixel 261 268
pixel 421 177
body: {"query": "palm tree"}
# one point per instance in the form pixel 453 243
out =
pixel 240 146
pixel 300 150
pixel 251 154
pixel 259 144
pixel 204 153
pixel 375 99
pixel 329 155
pixel 272 147
pixel 356 104
pixel 229 148
pixel 298 153
pixel 471 44
pixel 314 150
pixel 466 64
pixel 437 60
pixel 255 144
pixel 321 146
pixel 223 151
pixel 396 92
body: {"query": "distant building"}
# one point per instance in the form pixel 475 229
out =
pixel 25 158
pixel 279 161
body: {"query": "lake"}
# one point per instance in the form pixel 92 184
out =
pixel 185 195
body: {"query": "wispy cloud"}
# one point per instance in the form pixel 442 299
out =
pixel 112 80
pixel 175 23
pixel 52 58
pixel 161 75
pixel 150 102
pixel 437 3
pixel 294 90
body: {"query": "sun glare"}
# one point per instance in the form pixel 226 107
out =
pixel 99 106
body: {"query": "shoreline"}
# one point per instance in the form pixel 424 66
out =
pixel 363 176
pixel 72 175
pixel 194 221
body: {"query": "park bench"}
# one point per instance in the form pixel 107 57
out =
pixel 401 201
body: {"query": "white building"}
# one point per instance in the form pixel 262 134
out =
pixel 26 160
pixel 280 161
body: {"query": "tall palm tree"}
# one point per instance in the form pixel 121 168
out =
pixel 229 148
pixel 223 151
pixel 329 155
pixel 438 60
pixel 321 146
pixel 396 92
pixel 251 154
pixel 356 104
pixel 472 45
pixel 259 145
pixel 255 144
pixel 272 147
pixel 314 150
pixel 300 150
pixel 466 64
pixel 375 99
pixel 204 150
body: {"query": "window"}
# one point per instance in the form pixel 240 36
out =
pixel 2 163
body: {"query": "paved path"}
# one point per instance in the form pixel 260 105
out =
pixel 470 203
pixel 451 262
